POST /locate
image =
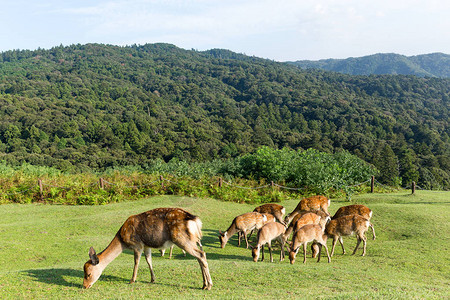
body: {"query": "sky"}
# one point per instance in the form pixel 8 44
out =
pixel 281 30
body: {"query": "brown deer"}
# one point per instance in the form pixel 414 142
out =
pixel 274 209
pixel 318 202
pixel 306 234
pixel 354 209
pixel 244 223
pixel 347 225
pixel 266 234
pixel 158 228
pixel 304 218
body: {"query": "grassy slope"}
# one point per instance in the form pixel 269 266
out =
pixel 44 247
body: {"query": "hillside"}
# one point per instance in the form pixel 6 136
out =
pixel 96 106
pixel 427 65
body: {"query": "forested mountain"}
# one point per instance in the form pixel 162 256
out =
pixel 427 65
pixel 96 106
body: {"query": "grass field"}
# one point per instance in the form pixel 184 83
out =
pixel 43 249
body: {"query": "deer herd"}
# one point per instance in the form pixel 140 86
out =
pixel 162 228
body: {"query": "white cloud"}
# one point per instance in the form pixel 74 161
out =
pixel 304 28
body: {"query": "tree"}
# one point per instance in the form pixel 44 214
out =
pixel 386 162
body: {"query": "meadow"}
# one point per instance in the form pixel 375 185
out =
pixel 44 248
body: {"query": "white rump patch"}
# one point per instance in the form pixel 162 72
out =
pixel 193 227
pixel 283 210
pixel 264 218
pixel 370 214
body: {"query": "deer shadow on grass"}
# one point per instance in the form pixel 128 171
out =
pixel 68 277
pixel 64 277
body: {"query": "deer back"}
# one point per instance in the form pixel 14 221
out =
pixel 153 228
pixel 305 219
pixel 312 203
pixel 274 209
pixel 355 209
pixel 317 202
pixel 250 220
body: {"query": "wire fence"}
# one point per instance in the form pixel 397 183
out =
pixel 101 183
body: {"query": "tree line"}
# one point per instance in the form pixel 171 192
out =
pixel 94 106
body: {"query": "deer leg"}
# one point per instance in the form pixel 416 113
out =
pixel 358 241
pixel 239 238
pixel 137 258
pixel 170 251
pixel 326 249
pixel 373 231
pixel 360 238
pixel 304 252
pixel 245 236
pixel 148 258
pixel 250 235
pixel 319 246
pixel 335 239
pixel 262 252
pixel 282 249
pixel 201 258
pixel 341 241
pixel 364 245
pixel 315 249
pixel 269 245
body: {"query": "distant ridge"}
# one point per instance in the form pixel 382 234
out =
pixel 426 65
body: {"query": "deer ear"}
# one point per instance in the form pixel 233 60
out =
pixel 93 256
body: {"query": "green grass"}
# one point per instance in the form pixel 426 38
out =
pixel 43 249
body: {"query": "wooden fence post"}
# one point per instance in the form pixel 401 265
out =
pixel 162 181
pixel 101 183
pixel 372 184
pixel 220 182
pixel 41 190
pixel 413 188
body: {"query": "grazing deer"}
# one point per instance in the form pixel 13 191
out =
pixel 157 228
pixel 306 234
pixel 318 202
pixel 305 218
pixel 274 209
pixel 347 225
pixel 355 209
pixel 266 234
pixel 244 223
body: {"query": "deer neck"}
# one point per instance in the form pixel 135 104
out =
pixel 231 230
pixel 292 216
pixel 111 252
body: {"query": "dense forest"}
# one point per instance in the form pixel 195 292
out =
pixel 92 107
pixel 429 65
